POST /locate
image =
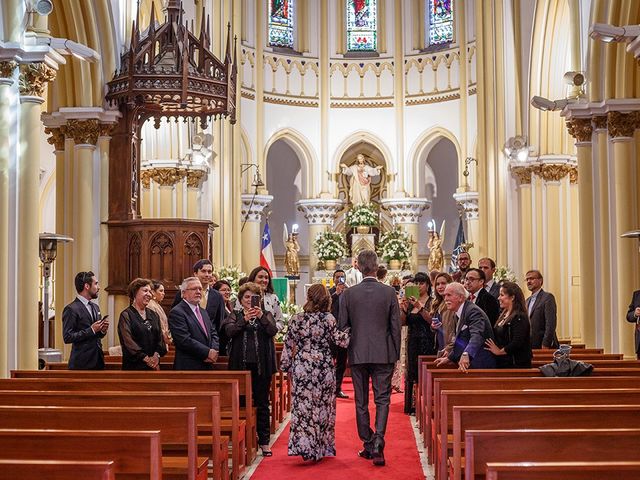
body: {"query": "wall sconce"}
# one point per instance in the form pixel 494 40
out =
pixel 467 161
pixel 632 234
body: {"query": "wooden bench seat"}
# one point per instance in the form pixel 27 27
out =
pixel 56 470
pixel 563 470
pixel 132 452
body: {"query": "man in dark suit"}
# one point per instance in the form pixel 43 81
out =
pixel 488 266
pixel 474 284
pixel 473 329
pixel 464 263
pixel 212 301
pixel 83 326
pixel 542 310
pixel 633 316
pixel 371 310
pixel 194 335
pixel 339 353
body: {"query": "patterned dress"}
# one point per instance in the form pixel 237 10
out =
pixel 307 357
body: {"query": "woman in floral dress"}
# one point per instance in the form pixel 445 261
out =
pixel 307 357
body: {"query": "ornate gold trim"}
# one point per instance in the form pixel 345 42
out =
pixel 106 129
pixel 600 122
pixel 425 100
pixel 293 101
pixel 580 129
pixel 163 176
pixel 145 178
pixel 56 139
pixel 7 68
pixel 83 132
pixel 248 95
pixel 361 105
pixel 522 174
pixel 194 178
pixel 554 172
pixel 621 124
pixel 34 77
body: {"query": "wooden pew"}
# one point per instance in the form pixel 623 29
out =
pixel 537 417
pixel 451 398
pixel 563 470
pixel 56 469
pixel 243 377
pixel 575 445
pixel 133 453
pixel 229 399
pixel 177 427
pixel 207 407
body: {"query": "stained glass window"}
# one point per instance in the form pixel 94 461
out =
pixel 440 22
pixel 361 25
pixel 281 14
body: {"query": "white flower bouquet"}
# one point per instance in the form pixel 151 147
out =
pixel 330 245
pixel 503 274
pixel 288 310
pixel 395 245
pixel 363 215
pixel 231 274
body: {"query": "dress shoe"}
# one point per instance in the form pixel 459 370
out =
pixel 378 458
pixel 341 394
pixel 366 454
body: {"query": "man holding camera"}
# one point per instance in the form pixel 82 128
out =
pixel 339 353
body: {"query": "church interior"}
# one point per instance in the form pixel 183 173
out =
pixel 139 136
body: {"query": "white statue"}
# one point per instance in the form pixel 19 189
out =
pixel 360 181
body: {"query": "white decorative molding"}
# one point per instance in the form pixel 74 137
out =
pixel 468 204
pixel 405 210
pixel 320 211
pixel 253 205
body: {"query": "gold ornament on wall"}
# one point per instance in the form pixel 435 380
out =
pixel 522 174
pixel 600 122
pixel 553 172
pixel 194 178
pixel 145 178
pixel 83 132
pixel 7 68
pixel 580 129
pixel 34 78
pixel 166 177
pixel 56 139
pixel 621 124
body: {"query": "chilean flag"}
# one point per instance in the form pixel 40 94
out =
pixel 266 253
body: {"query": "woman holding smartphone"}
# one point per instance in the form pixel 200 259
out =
pixel 270 302
pixel 250 330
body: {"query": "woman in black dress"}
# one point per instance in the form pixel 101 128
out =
pixel 140 331
pixel 250 330
pixel 512 347
pixel 421 339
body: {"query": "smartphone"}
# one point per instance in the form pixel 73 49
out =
pixel 412 291
pixel 102 319
pixel 255 301
pixel 397 287
pixel 341 280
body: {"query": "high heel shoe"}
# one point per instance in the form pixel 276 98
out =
pixel 266 451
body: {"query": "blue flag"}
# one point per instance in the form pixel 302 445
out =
pixel 459 246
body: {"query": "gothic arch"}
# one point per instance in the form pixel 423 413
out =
pixel 303 150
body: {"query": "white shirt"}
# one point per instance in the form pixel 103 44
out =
pixel 85 302
pixel 475 297
pixel 532 301
pixel 353 277
pixel 193 308
pixel 488 285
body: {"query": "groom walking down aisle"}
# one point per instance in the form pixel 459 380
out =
pixel 371 310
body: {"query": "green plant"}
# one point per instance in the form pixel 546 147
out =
pixel 231 274
pixel 363 215
pixel 330 245
pixel 288 310
pixel 395 245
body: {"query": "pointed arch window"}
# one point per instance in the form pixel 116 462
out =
pixel 362 25
pixel 281 23
pixel 439 20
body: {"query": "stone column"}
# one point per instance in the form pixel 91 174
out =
pixel 321 214
pixel 522 174
pixel 406 213
pixel 581 129
pixel 194 184
pixel 33 80
pixel 165 179
pixel 468 206
pixel 103 148
pixel 252 207
pixel 621 130
pixel 7 74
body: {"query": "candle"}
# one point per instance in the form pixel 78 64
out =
pixel 294 228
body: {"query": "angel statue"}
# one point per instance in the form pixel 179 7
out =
pixel 360 181
pixel 291 260
pixel 436 254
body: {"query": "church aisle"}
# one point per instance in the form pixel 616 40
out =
pixel 403 460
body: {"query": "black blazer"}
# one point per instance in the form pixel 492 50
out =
pixel 217 313
pixel 515 338
pixel 631 317
pixel 494 291
pixel 191 343
pixel 543 319
pixel 472 332
pixel 489 305
pixel 86 350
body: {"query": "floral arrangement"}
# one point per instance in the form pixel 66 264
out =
pixel 330 245
pixel 363 215
pixel 503 274
pixel 395 245
pixel 288 310
pixel 231 274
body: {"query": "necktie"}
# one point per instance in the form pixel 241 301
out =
pixel 530 302
pixel 472 297
pixel 201 321
pixel 456 320
pixel 203 300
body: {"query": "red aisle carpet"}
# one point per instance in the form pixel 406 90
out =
pixel 401 454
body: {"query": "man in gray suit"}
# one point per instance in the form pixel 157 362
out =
pixel 371 310
pixel 542 310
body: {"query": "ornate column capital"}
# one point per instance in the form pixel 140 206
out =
pixel 106 129
pixel 253 205
pixel 34 78
pixel 83 132
pixel 7 68
pixel 468 204
pixel 320 211
pixel 56 139
pixel 622 124
pixel 405 210
pixel 163 176
pixel 522 173
pixel 600 122
pixel 194 178
pixel 554 172
pixel 580 129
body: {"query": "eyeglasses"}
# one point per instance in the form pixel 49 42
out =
pixel 472 279
pixel 193 289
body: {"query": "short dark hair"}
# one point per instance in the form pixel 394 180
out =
pixel 318 299
pixel 249 287
pixel 492 264
pixel 254 273
pixel 480 273
pixel 464 252
pixel 242 281
pixel 339 270
pixel 219 283
pixel 537 272
pixel 201 263
pixel 83 278
pixel 422 277
pixel 156 284
pixel 382 272
pixel 136 284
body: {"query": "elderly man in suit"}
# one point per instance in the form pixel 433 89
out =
pixel 474 282
pixel 83 326
pixel 633 316
pixel 541 307
pixel 371 310
pixel 211 300
pixel 488 266
pixel 473 329
pixel 194 335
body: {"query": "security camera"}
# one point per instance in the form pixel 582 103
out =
pixel 68 47
pixel 43 7
pixel 575 79
pixel 610 33
pixel 545 104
